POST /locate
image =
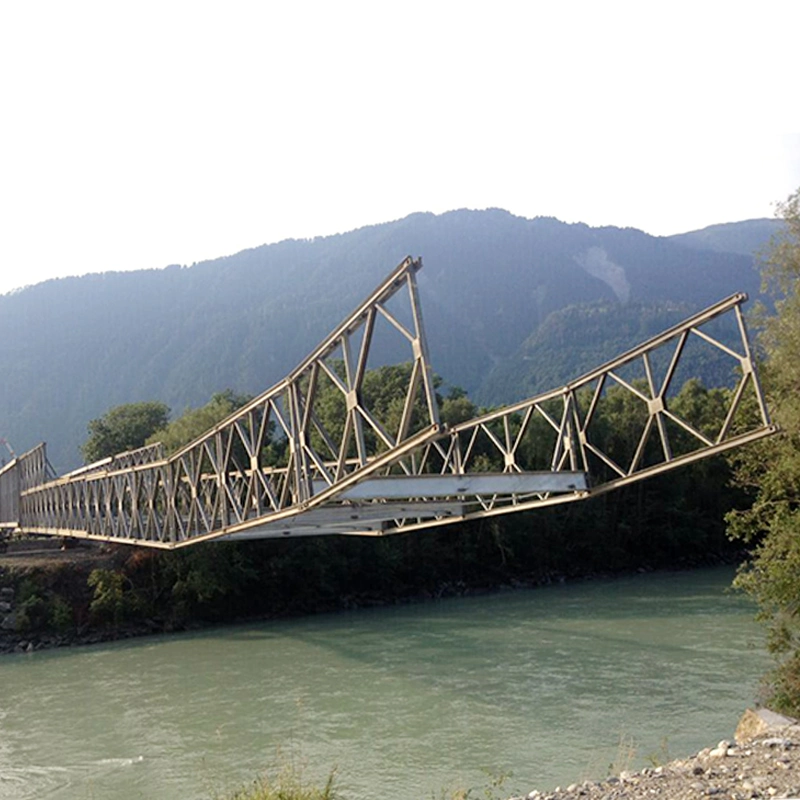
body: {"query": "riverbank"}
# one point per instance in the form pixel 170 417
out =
pixel 763 761
pixel 46 600
pixel 45 597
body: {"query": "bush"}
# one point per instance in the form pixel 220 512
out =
pixel 61 614
pixel 112 602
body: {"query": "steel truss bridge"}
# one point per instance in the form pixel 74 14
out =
pixel 323 452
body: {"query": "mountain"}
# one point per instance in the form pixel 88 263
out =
pixel 745 238
pixel 72 348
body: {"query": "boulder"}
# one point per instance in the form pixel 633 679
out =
pixel 760 722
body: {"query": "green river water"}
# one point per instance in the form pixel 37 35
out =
pixel 550 685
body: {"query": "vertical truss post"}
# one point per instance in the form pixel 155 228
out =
pixel 748 367
pixel 354 400
pixel 420 346
pixel 571 439
pixel 302 478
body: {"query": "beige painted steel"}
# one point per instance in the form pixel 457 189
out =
pixel 273 469
pixel 520 483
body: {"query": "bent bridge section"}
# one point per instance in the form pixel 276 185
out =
pixel 280 467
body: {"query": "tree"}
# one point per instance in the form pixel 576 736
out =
pixel 122 428
pixel 195 422
pixel 771 471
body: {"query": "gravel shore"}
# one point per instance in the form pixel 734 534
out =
pixel 763 762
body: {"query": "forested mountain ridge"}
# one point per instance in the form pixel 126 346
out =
pixel 73 347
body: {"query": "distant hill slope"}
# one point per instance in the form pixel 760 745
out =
pixel 745 238
pixel 72 348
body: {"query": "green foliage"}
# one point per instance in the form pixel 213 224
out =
pixel 456 407
pixel 112 601
pixel 124 427
pixel 661 756
pixel 41 607
pixel 771 471
pixel 33 613
pixel 383 393
pixel 133 425
pixel 196 421
pixel 494 789
pixel 288 783
pixel 61 615
pixel 783 684
pixel 661 522
pixel 208 581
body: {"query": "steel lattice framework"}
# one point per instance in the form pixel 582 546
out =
pixel 322 452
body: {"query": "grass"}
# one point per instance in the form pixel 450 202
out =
pixel 626 754
pixel 286 784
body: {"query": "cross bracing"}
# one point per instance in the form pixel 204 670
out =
pixel 280 466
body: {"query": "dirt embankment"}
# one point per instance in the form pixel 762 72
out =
pixel 50 553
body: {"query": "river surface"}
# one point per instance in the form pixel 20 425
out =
pixel 549 685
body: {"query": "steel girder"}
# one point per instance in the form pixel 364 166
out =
pixel 277 468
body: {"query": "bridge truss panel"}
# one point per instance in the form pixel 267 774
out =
pixel 318 454
pixel 276 457
pixel 658 426
pixel 22 473
pixel 9 495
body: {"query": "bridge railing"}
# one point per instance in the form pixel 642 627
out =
pixel 130 458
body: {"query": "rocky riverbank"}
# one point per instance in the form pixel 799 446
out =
pixel 762 762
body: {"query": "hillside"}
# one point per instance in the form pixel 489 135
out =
pixel 744 238
pixel 72 348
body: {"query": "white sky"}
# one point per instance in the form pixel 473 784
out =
pixel 139 134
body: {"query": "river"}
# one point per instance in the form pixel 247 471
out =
pixel 548 686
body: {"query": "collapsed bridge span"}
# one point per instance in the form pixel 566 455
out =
pixel 318 453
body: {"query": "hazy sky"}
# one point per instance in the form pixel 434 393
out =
pixel 139 134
